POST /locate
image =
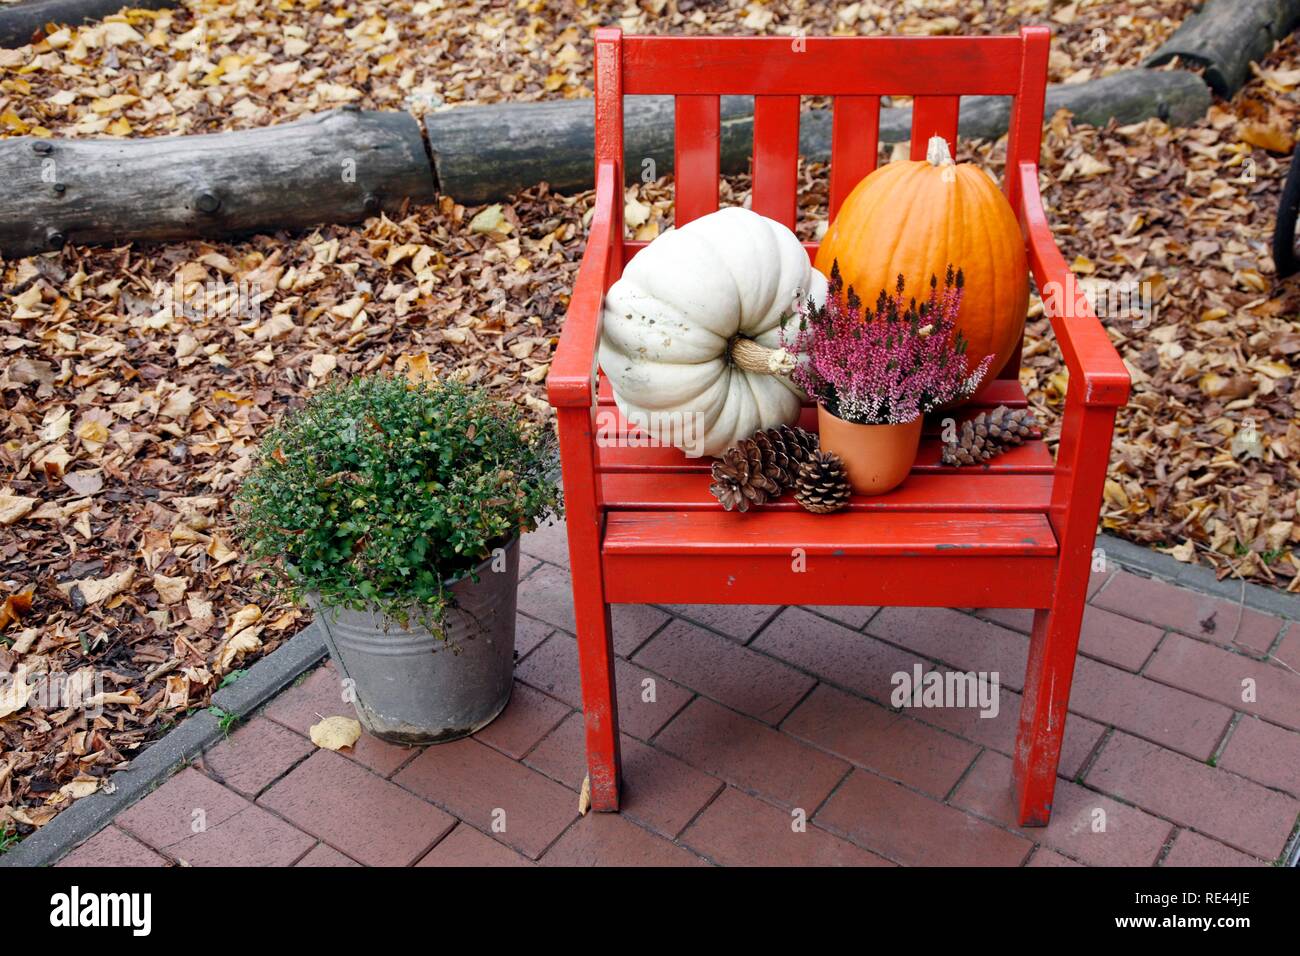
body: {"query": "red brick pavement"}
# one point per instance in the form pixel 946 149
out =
pixel 761 735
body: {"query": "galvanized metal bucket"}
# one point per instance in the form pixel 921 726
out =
pixel 411 686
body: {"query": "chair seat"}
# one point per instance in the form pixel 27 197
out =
pixel 667 538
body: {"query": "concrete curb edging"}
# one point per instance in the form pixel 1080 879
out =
pixel 88 816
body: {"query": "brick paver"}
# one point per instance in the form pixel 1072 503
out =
pixel 115 848
pixel 1236 680
pixel 848 615
pixel 882 740
pixel 610 839
pixel 904 826
pixel 1169 716
pixel 1208 799
pixel 1105 635
pixel 751 755
pixel 255 755
pixel 1192 849
pixel 1085 825
pixel 516 805
pixel 834 653
pixel 643 708
pixel 528 717
pixel 736 676
pixel 465 846
pixel 323 855
pixel 659 791
pixel 364 816
pixel 738 621
pixel 1213 619
pixel 760 735
pixel 740 830
pixel 1045 857
pixel 1266 753
pixel 195 820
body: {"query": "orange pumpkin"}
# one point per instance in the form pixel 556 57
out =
pixel 915 218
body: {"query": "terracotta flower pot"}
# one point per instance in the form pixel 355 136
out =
pixel 877 457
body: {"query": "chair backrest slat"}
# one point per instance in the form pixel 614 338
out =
pixel 776 157
pixel 855 143
pixel 933 116
pixel 697 150
pixel 822 66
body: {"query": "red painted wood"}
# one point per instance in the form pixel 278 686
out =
pixel 1088 352
pixel 930 581
pixel 1025 132
pixel 571 382
pixel 1076 499
pixel 933 116
pixel 697 151
pixel 952 492
pixel 776 157
pixel 590 607
pixel 1032 458
pixel 571 385
pixel 875 534
pixel 632 247
pixel 817 66
pixel 855 145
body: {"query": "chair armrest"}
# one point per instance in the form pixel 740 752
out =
pixel 1089 354
pixel 571 381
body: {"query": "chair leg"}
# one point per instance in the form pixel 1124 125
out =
pixel 1043 708
pixel 599 699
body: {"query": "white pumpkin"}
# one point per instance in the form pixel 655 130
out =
pixel 691 336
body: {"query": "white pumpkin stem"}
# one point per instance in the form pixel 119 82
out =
pixel 937 153
pixel 750 356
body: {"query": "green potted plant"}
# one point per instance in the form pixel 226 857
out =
pixel 394 509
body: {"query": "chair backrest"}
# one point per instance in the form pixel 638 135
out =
pixel 855 71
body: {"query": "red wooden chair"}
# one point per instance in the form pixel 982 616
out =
pixel 642 525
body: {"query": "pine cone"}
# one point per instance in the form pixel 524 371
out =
pixel 786 448
pixel 989 434
pixel 760 468
pixel 823 484
pixel 740 478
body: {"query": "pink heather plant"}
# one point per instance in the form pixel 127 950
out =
pixel 889 366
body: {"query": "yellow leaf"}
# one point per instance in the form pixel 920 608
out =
pixel 94 590
pixel 13 507
pixel 416 367
pixel 1275 139
pixel 246 640
pixel 14 691
pixel 335 733
pixel 14 122
pixel 119 127
pixel 1114 494
pixel 170 590
pixel 245 616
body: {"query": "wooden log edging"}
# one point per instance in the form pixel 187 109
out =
pixel 1226 36
pixel 339 166
pixel 346 164
pixel 483 154
pixel 19 22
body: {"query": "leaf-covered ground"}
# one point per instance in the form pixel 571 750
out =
pixel 134 382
